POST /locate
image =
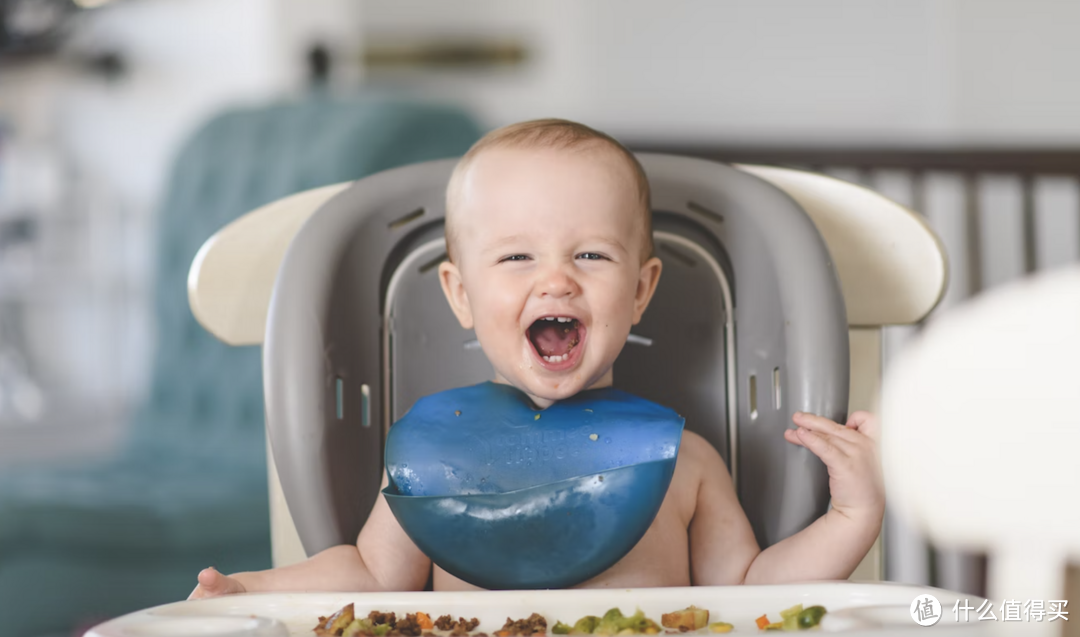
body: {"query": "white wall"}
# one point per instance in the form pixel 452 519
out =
pixel 775 71
pixel 188 59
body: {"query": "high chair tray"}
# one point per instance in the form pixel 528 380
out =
pixel 854 608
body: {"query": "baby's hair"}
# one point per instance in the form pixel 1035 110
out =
pixel 558 134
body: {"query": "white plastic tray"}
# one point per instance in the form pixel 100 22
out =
pixel 879 608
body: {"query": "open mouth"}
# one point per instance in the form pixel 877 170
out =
pixel 556 338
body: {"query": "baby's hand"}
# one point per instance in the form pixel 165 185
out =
pixel 213 583
pixel 851 454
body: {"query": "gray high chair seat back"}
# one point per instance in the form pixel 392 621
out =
pixel 748 326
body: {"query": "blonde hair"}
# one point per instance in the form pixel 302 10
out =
pixel 559 134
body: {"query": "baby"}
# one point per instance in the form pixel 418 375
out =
pixel 552 219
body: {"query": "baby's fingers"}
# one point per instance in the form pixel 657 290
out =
pixel 791 436
pixel 825 426
pixel 213 583
pixel 824 447
pixel 866 423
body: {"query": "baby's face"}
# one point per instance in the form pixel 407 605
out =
pixel 548 266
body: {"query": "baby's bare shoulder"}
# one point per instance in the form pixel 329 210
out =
pixel 697 450
pixel 697 457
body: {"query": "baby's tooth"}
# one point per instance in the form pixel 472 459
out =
pixel 549 318
pixel 563 319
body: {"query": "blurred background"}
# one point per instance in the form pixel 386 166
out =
pixel 113 112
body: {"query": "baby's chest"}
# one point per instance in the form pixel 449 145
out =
pixel 661 558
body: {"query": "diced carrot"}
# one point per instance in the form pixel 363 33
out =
pixel 424 621
pixel 762 622
pixel 502 633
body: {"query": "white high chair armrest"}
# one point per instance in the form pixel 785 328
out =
pixel 232 276
pixel 892 267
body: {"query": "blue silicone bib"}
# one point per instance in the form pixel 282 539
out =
pixel 488 438
pixel 505 496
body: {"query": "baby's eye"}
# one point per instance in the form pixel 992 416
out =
pixel 592 256
pixel 514 257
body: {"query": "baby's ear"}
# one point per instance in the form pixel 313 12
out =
pixel 452 287
pixel 648 277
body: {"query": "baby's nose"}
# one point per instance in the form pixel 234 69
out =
pixel 557 282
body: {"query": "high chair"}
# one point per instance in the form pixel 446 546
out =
pixel 776 285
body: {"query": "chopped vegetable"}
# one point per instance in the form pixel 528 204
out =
pixel 336 623
pixel 720 627
pixel 586 625
pixel 425 621
pixel 359 627
pixel 794 619
pixel 611 623
pixel 790 612
pixel 640 624
pixel 693 618
pixel 811 617
pixel 560 629
pixel 790 617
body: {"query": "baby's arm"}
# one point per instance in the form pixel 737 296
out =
pixel 722 543
pixel 383 559
pixel 832 546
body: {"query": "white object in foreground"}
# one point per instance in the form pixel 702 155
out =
pixel 981 430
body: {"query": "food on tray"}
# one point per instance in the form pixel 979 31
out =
pixel 810 617
pixel 534 625
pixel 460 627
pixel 612 623
pixel 336 623
pixel 344 623
pixel 425 621
pixel 586 625
pixel 794 618
pixel 692 618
